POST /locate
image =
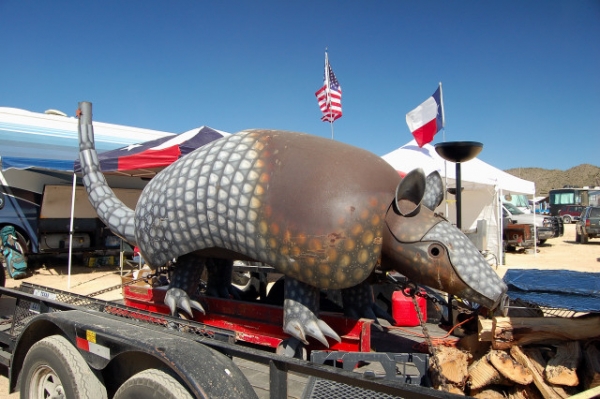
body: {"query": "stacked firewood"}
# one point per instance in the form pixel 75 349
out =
pixel 529 357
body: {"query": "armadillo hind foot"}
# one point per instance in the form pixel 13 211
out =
pixel 184 284
pixel 359 303
pixel 219 279
pixel 299 318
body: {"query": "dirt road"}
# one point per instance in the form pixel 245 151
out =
pixel 557 253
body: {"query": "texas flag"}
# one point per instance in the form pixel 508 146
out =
pixel 427 119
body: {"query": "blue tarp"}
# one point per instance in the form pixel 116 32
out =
pixel 560 289
pixel 36 163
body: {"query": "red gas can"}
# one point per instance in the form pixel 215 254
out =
pixel 404 312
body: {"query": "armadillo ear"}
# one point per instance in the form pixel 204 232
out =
pixel 434 190
pixel 409 193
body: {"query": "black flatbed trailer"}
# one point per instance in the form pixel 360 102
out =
pixel 59 343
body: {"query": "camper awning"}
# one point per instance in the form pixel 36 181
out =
pixel 36 163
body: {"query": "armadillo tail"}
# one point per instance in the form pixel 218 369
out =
pixel 111 210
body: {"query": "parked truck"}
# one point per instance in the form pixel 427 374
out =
pixel 517 235
pixel 546 226
pixel 588 225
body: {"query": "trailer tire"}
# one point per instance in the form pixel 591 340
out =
pixel 55 368
pixel 22 244
pixel 152 383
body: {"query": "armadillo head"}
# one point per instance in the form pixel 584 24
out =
pixel 423 246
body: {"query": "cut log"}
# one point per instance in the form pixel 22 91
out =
pixel 590 393
pixel 509 368
pixel 455 390
pixel 482 373
pixel 532 359
pixel 591 357
pixel 453 363
pixel 488 393
pixel 524 392
pixel 471 344
pixel 506 331
pixel 562 368
pixel 484 329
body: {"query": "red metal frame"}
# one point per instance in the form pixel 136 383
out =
pixel 255 323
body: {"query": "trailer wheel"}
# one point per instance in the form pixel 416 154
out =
pixel 53 368
pixel 152 383
pixel 22 244
pixel 292 348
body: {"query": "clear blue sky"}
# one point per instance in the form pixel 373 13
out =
pixel 522 77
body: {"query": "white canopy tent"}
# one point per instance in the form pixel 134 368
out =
pixel 482 187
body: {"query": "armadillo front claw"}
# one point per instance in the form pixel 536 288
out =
pixel 299 319
pixel 176 298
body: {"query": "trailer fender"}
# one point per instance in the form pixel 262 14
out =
pixel 120 349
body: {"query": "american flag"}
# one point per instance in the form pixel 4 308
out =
pixel 329 95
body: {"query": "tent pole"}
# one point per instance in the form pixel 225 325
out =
pixel 121 255
pixel 534 225
pixel 500 227
pixel 71 230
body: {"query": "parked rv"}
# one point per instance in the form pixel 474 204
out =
pixel 42 221
pixel 37 151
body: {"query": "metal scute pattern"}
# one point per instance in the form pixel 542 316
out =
pixel 218 197
pixel 111 210
pixel 466 260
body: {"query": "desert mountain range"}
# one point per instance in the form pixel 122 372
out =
pixel 546 179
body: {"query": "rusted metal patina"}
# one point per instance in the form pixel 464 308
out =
pixel 321 212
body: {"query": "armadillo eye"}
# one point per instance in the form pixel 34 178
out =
pixel 435 250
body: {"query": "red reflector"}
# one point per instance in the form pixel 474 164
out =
pixel 83 344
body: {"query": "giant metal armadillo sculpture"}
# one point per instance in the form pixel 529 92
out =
pixel 321 212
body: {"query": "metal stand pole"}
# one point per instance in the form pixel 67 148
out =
pixel 458 197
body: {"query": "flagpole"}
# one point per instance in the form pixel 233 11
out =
pixel 444 139
pixel 443 113
pixel 328 83
pixel 325 98
pixel 331 123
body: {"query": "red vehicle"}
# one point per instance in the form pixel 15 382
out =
pixel 571 213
